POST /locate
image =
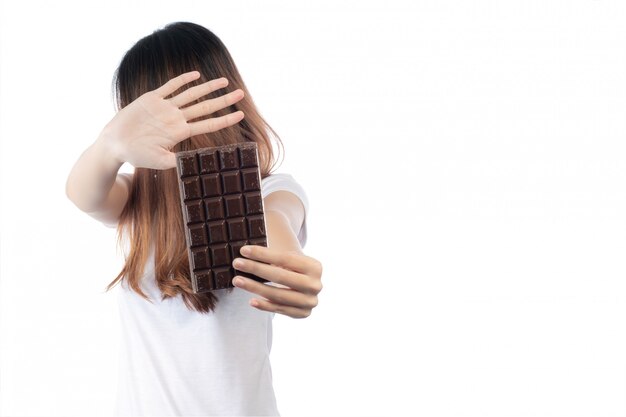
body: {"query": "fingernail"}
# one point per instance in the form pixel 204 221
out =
pixel 245 250
pixel 238 262
pixel 238 282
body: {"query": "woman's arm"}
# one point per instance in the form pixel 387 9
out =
pixel 282 262
pixel 93 184
pixel 284 215
pixel 143 134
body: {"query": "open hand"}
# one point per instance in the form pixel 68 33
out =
pixel 300 274
pixel 144 132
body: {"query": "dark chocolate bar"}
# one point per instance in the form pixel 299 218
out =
pixel 220 194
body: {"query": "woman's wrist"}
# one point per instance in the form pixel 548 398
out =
pixel 108 145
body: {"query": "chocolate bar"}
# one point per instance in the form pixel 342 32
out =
pixel 220 194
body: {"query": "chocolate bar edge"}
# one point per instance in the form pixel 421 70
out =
pixel 180 154
pixel 181 191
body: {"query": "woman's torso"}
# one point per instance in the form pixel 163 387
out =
pixel 175 361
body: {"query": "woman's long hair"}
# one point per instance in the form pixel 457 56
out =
pixel 152 216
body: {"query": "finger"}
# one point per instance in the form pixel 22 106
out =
pixel 194 93
pixel 210 106
pixel 290 260
pixel 291 279
pixel 176 82
pixel 296 313
pixel 215 123
pixel 283 296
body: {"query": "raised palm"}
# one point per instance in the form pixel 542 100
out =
pixel 144 132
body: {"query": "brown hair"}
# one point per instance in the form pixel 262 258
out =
pixel 153 214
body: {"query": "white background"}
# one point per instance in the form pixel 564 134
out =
pixel 465 166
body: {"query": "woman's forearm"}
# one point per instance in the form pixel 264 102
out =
pixel 93 175
pixel 280 236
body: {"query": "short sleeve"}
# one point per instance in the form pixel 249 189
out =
pixel 286 182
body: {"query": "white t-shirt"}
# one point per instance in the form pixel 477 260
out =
pixel 178 362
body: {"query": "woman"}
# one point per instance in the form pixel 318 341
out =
pixel 184 353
